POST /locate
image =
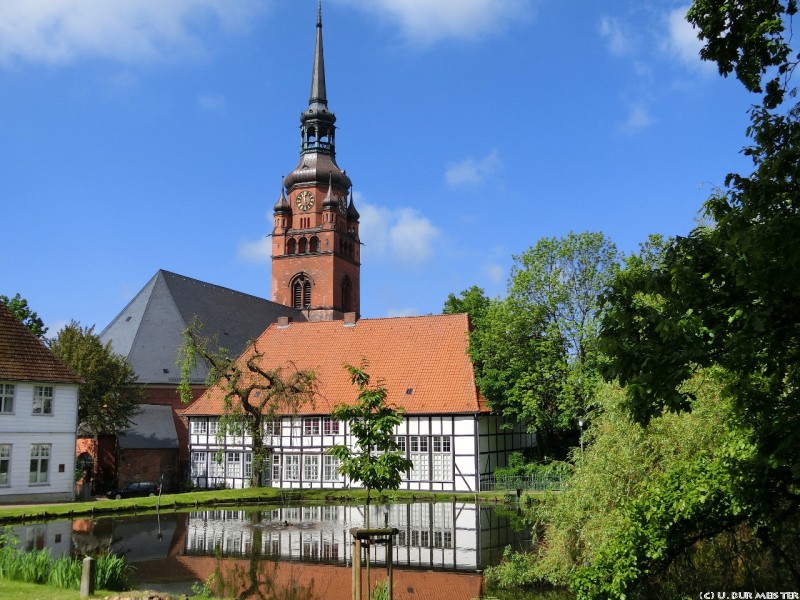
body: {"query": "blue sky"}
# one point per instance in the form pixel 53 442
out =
pixel 140 135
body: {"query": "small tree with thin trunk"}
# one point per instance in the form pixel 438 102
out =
pixel 252 395
pixel 374 461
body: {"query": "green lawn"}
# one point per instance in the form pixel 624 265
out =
pixel 15 590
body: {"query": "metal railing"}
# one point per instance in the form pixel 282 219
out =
pixel 493 483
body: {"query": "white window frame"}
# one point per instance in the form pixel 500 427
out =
pixel 213 428
pixel 276 467
pixel 216 468
pixel 233 464
pixel 199 464
pixel 291 467
pixel 330 426
pixel 5 465
pixel 441 446
pixel 40 456
pixel 248 465
pixel 272 427
pixel 311 426
pixel 311 467
pixel 43 400
pixel 418 452
pixel 330 468
pixel 7 398
pixel 199 427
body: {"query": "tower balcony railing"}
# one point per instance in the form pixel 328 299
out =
pixel 317 146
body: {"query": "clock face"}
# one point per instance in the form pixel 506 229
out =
pixel 305 200
pixel 342 204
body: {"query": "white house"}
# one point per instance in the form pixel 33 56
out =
pixel 447 432
pixel 38 418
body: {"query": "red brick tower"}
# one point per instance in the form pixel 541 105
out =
pixel 315 244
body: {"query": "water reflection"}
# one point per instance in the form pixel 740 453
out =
pixel 302 551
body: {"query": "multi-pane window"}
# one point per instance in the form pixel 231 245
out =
pixel 272 427
pixel 311 426
pixel 330 426
pixel 418 445
pixel 234 464
pixel 330 466
pixel 291 467
pixel 40 463
pixel 199 427
pixel 6 397
pixel 276 467
pixel 199 468
pixel 215 467
pixel 213 427
pixel 5 463
pixel 311 467
pixel 248 465
pixel 43 400
pixel 442 458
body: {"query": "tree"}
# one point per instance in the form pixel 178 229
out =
pixel 535 351
pixel 727 296
pixel 251 394
pixel 19 306
pixel 375 461
pixel 109 397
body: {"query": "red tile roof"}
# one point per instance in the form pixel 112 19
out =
pixel 422 361
pixel 23 356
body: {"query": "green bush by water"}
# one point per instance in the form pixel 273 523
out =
pixel 38 566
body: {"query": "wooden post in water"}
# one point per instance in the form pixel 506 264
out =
pixel 383 535
pixel 356 568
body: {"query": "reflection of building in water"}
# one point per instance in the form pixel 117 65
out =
pixel 451 536
pixel 54 535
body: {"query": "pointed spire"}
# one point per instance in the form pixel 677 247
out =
pixel 319 94
pixel 329 203
pixel 282 205
pixel 352 213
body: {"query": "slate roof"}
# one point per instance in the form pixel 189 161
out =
pixel 24 357
pixel 148 330
pixel 152 428
pixel 422 361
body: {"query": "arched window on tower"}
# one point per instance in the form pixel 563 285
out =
pixel 291 247
pixel 347 295
pixel 301 292
pixel 302 246
pixel 314 244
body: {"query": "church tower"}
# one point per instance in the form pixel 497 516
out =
pixel 315 244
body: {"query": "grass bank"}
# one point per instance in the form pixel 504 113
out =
pixel 252 496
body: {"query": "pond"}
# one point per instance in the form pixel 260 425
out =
pixel 305 550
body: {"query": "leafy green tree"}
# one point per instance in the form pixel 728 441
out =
pixel 19 306
pixel 375 461
pixel 535 351
pixel 251 394
pixel 109 397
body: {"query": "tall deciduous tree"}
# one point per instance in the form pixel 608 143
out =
pixel 19 306
pixel 252 395
pixel 728 295
pixel 535 351
pixel 109 396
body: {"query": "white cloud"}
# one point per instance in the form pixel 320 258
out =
pixel 402 234
pixel 402 312
pixel 682 41
pixel 428 21
pixel 638 118
pixel 211 102
pixel 618 42
pixel 470 171
pixel 496 273
pixel 62 31
pixel 259 251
